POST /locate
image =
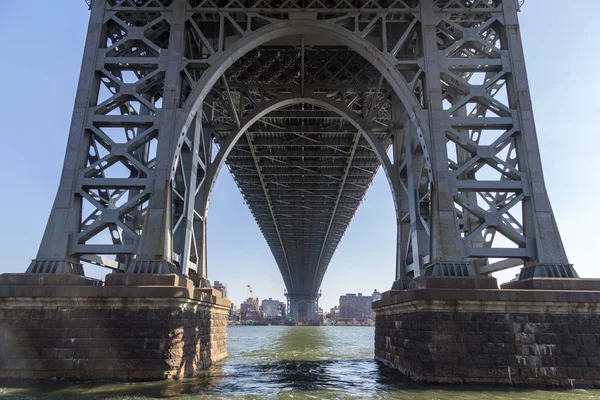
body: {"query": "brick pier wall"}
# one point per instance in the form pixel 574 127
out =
pixel 117 333
pixel 491 336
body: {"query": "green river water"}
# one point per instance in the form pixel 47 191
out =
pixel 281 362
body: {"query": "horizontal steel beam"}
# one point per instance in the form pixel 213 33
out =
pixel 258 129
pixel 306 180
pixel 312 164
pixel 500 265
pixel 114 183
pixel 497 252
pixel 295 154
pixel 80 249
pixel 239 172
pixel 489 186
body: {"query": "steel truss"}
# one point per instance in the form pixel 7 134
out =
pixel 301 100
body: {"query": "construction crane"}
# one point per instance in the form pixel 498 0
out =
pixel 254 299
pixel 255 302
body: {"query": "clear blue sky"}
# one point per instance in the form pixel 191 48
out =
pixel 40 56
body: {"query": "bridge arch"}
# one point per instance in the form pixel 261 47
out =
pixel 309 98
pixel 214 167
pixel 219 62
pixel 383 63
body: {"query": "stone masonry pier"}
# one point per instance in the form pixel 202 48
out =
pixel 134 327
pixel 537 332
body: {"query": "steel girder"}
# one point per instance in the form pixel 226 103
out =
pixel 303 107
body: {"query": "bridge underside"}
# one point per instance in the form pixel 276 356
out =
pixel 303 169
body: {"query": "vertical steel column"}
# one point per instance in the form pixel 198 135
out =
pixel 402 233
pixel 190 160
pixel 200 241
pixel 200 211
pixel 402 207
pixel 155 250
pixel 538 218
pixel 447 253
pixel 419 238
pixel 413 237
pixel 469 221
pixel 64 221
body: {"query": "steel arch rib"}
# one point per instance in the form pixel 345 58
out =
pixel 267 107
pixel 379 60
pixel 215 166
pixel 223 60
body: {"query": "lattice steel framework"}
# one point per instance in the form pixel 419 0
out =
pixel 303 100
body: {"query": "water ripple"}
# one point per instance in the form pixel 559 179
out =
pixel 286 363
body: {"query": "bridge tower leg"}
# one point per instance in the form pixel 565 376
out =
pixel 485 197
pixel 121 194
pixel 445 320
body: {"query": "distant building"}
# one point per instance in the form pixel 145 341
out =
pixel 376 295
pixel 249 311
pixel 282 309
pixel 270 308
pixel 334 312
pixel 248 306
pixel 221 288
pixel 356 306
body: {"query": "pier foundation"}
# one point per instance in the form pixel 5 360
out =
pixel 133 327
pixel 541 332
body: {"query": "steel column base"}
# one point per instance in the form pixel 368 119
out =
pixel 401 284
pixel 449 269
pixel 152 267
pixel 199 282
pixel 548 271
pixel 204 283
pixel 62 267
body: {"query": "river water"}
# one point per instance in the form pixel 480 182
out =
pixel 281 362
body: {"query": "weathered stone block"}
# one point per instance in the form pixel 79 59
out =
pixel 97 332
pixel 502 336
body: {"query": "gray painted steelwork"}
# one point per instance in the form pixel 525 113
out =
pixel 303 101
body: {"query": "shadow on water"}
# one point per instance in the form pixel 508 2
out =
pixel 341 376
pixel 286 363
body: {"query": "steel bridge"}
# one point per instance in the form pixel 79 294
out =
pixel 303 101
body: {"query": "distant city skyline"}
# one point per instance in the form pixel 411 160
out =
pixel 38 104
pixel 222 286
